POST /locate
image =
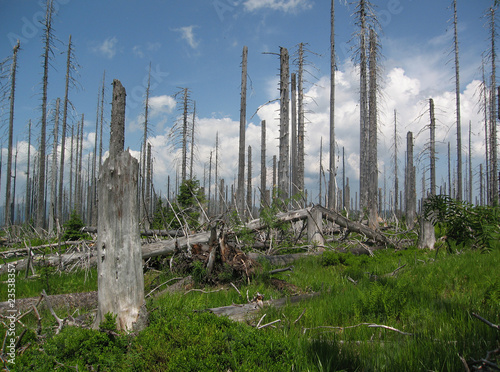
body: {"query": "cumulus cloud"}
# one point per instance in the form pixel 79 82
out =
pixel 161 105
pixel 107 48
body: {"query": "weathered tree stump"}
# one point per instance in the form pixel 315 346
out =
pixel 119 254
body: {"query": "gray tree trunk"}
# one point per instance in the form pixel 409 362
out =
pixel 263 171
pixel 396 178
pixel 363 111
pixel 372 132
pixel 63 130
pixel 432 147
pixel 457 97
pixel 191 158
pixel 284 142
pixel 293 160
pixel 249 183
pixel 184 136
pixel 70 203
pixel 332 167
pixel 486 133
pixel 301 122
pixel 493 123
pixel 240 191
pixel 53 180
pixel 119 264
pixel 13 70
pixel 27 212
pixel 410 188
pixel 470 162
pixel 40 217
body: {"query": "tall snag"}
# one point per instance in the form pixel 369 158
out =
pixel 240 191
pixel 119 263
pixel 284 141
pixel 13 70
pixel 457 97
pixel 332 167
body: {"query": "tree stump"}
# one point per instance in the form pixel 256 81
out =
pixel 119 256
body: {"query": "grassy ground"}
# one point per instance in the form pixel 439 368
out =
pixel 431 299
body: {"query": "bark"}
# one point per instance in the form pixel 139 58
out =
pixel 40 220
pixel 263 171
pixel 396 179
pixel 119 264
pixel 101 121
pixel 191 158
pixel 27 211
pixel 249 183
pixel 372 135
pixel 293 160
pixel 240 191
pixel 363 110
pixel 70 204
pixel 8 218
pixel 432 147
pixel 184 136
pixel 410 192
pixel 493 123
pixel 457 97
pixel 284 142
pixel 301 121
pixel 486 132
pixel 53 181
pixel 332 167
pixel 63 130
pixel 144 150
pixel 93 181
pixel 470 162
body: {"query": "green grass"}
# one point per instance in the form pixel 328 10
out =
pixel 432 297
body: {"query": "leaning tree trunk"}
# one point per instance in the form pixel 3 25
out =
pixel 119 264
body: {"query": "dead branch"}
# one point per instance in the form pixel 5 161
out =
pixel 289 268
pixel 60 321
pixel 161 285
pixel 202 291
pixel 495 326
pixel 269 324
pixel 369 325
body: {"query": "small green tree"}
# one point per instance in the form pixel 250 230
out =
pixel 73 228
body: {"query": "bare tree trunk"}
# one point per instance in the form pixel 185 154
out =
pixel 240 191
pixel 284 143
pixel 396 179
pixel 410 183
pixel 332 167
pixel 27 211
pixel 144 151
pixel 79 174
pixel 320 196
pixel 147 201
pixel 53 180
pixel 70 204
pixel 372 129
pixel 301 122
pixel 249 183
pixel 293 160
pixel 493 124
pixel 14 188
pixel 192 142
pixel 40 220
pixel 63 131
pixel 432 147
pixel 457 95
pixel 184 136
pixel 210 185
pixel 470 162
pixel 449 172
pixel 263 170
pixel 93 180
pixel 486 133
pixel 363 110
pixel 101 121
pixel 13 69
pixel 119 264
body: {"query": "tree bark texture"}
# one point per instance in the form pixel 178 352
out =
pixel 119 261
pixel 240 191
pixel 284 142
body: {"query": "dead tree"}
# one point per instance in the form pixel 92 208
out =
pixel 457 97
pixel 493 117
pixel 293 160
pixel 410 192
pixel 119 263
pixel 47 38
pixel 27 208
pixel 240 191
pixel 263 170
pixel 144 150
pixel 300 121
pixel 53 180
pixel 332 167
pixel 13 70
pixel 249 183
pixel 70 66
pixel 372 133
pixel 284 141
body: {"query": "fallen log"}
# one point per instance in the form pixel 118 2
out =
pixel 354 226
pixel 241 313
pixel 148 232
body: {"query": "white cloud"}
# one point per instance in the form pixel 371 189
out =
pixel 188 35
pixel 161 105
pixel 137 50
pixel 107 48
pixel 283 5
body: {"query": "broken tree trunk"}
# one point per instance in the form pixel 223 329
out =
pixel 119 262
pixel 315 227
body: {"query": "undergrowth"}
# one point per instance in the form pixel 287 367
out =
pixel 431 298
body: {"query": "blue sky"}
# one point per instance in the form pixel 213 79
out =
pixel 198 43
